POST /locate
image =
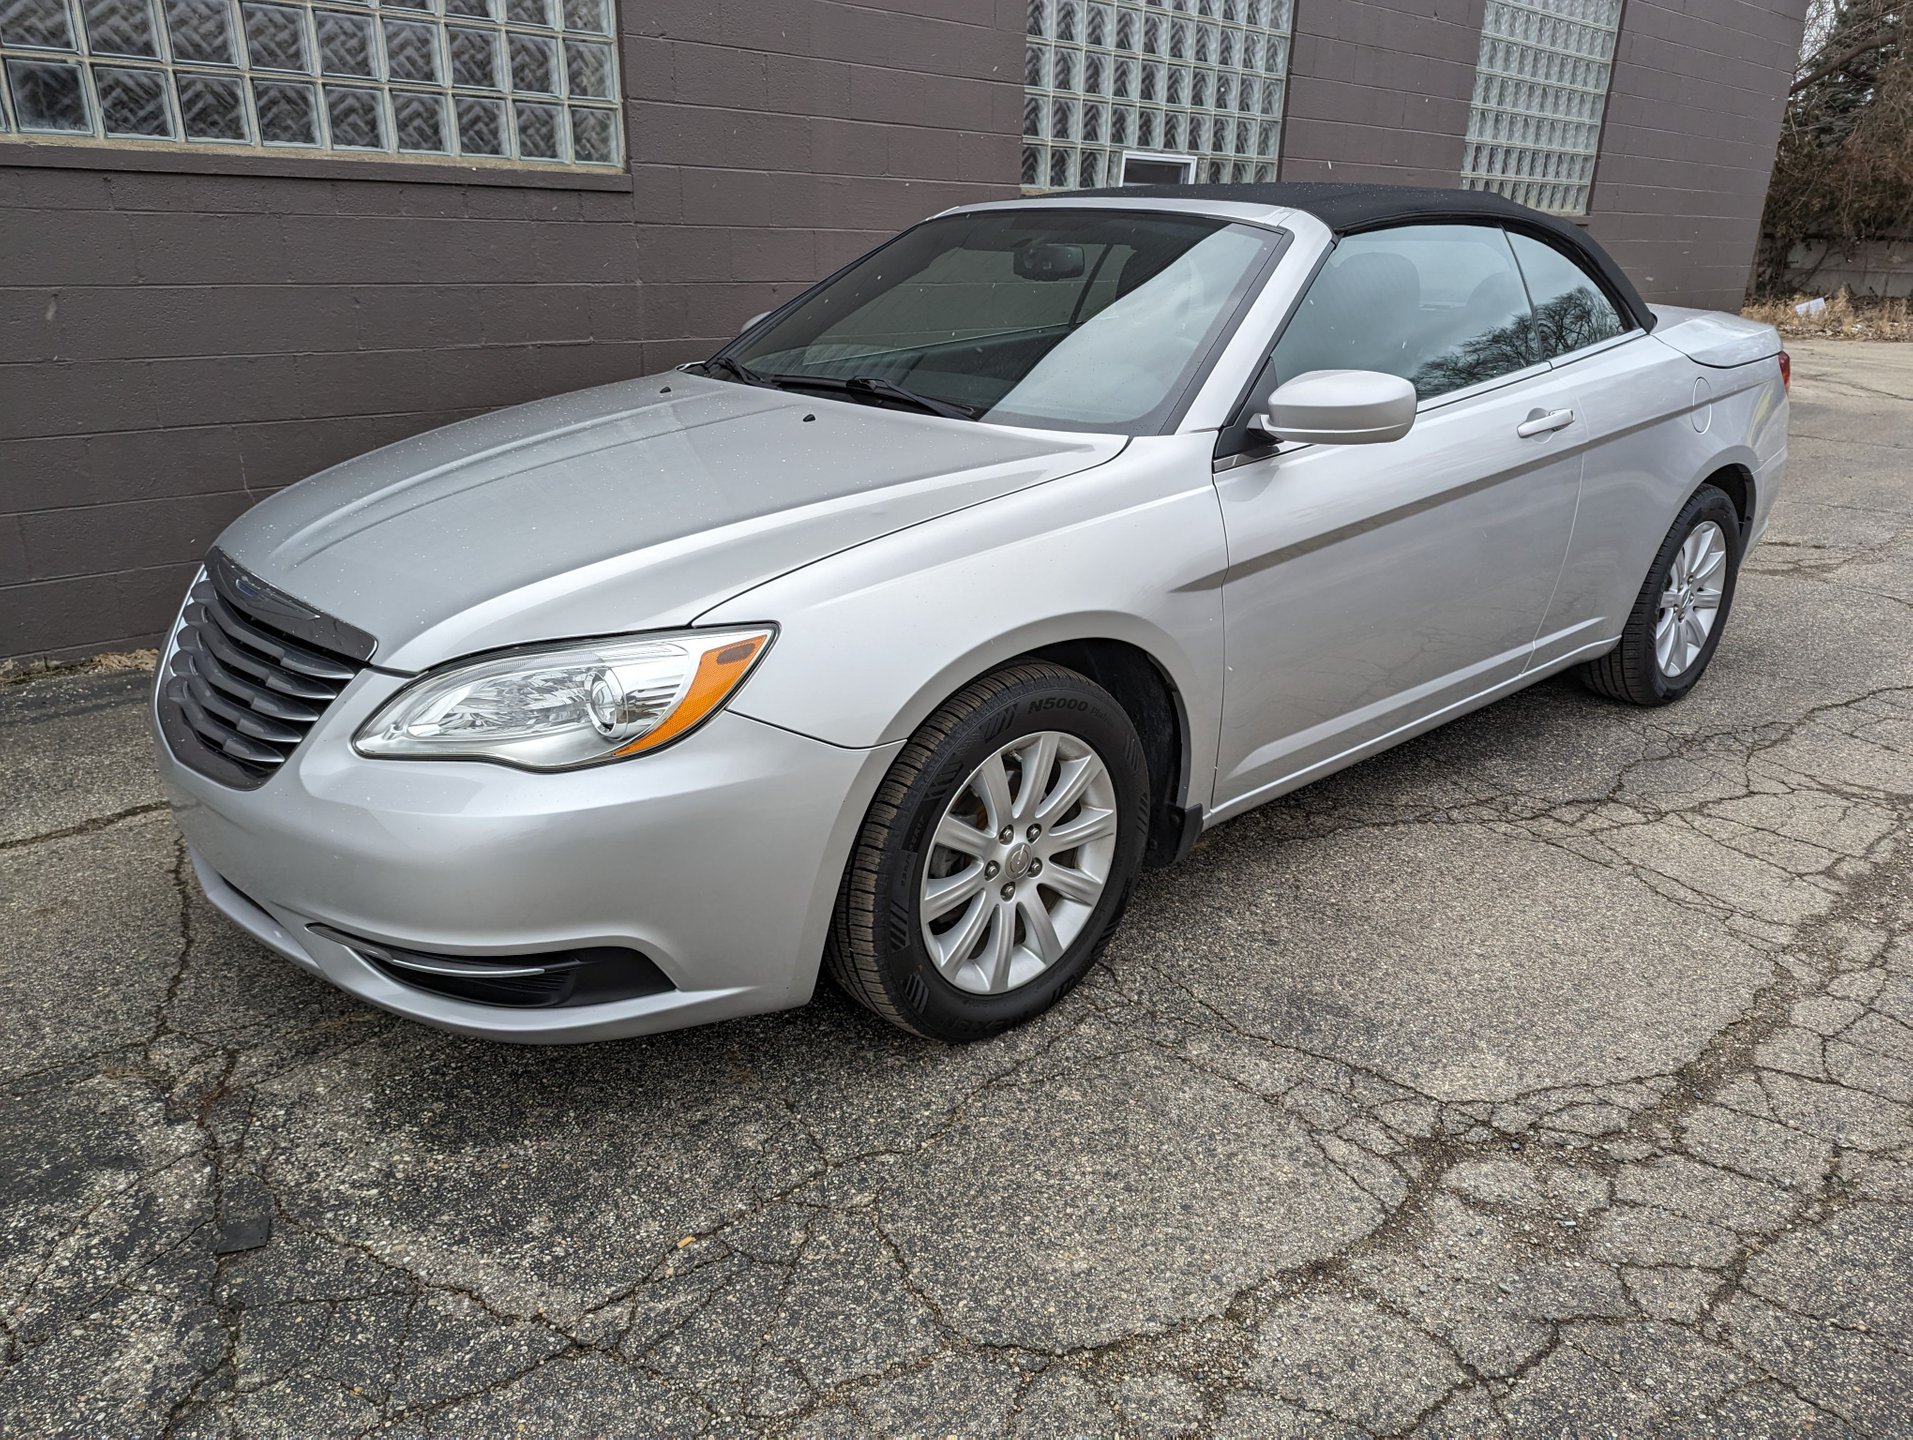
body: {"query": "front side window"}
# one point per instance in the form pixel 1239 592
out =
pixel 1063 319
pixel 488 81
pixel 1439 305
pixel 1570 310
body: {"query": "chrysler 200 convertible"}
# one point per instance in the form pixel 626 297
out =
pixel 896 638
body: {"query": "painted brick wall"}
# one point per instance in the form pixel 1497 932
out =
pixel 1693 117
pixel 1379 90
pixel 175 345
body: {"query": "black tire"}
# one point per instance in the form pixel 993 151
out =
pixel 876 953
pixel 1630 671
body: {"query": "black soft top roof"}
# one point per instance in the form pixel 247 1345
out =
pixel 1347 209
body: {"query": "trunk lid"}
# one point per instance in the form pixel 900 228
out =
pixel 1713 337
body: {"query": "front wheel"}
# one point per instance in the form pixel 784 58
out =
pixel 1678 617
pixel 996 858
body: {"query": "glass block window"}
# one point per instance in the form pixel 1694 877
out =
pixel 1540 87
pixel 489 80
pixel 1193 79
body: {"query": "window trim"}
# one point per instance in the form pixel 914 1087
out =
pixel 1473 222
pixel 1482 387
pixel 1559 361
pixel 1235 439
pixel 1235 442
pixel 85 153
pixel 34 147
pixel 1622 311
pixel 1157 157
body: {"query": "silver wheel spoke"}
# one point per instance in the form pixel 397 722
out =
pixel 992 784
pixel 1037 760
pixel 1076 778
pixel 1707 600
pixel 1071 883
pixel 961 835
pixel 1041 930
pixel 1087 826
pixel 1664 640
pixel 1002 947
pixel 956 944
pixel 940 897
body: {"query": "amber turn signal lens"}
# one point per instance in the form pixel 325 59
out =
pixel 719 672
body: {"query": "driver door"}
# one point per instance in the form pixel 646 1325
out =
pixel 1374 589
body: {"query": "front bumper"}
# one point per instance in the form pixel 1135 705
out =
pixel 718 858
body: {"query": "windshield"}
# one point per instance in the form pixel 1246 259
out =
pixel 1062 319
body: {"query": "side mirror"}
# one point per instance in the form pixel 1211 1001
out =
pixel 1339 407
pixel 755 321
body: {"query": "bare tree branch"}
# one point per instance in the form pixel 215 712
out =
pixel 1843 171
pixel 1889 36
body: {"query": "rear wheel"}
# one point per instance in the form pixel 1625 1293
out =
pixel 997 857
pixel 1678 617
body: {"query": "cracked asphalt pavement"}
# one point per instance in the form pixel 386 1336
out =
pixel 1550 1075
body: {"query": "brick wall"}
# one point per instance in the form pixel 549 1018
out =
pixel 1379 90
pixel 175 344
pixel 1693 117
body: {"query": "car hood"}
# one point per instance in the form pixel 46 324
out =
pixel 628 507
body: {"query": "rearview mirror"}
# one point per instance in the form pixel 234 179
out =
pixel 1339 407
pixel 754 322
pixel 1049 262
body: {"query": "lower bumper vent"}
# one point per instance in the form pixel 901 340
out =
pixel 546 979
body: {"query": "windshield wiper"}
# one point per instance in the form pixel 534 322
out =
pixel 890 389
pixel 876 385
pixel 742 373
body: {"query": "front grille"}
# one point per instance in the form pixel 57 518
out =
pixel 246 680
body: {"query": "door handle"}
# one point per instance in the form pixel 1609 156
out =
pixel 1540 422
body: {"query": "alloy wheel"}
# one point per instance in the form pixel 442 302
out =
pixel 1690 600
pixel 1020 857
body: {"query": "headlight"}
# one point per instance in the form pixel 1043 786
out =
pixel 570 705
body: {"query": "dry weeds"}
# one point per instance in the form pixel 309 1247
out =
pixel 16 672
pixel 1847 317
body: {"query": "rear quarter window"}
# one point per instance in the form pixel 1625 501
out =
pixel 1571 312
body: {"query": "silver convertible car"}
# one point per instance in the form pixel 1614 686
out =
pixel 898 637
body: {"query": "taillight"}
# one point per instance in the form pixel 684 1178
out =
pixel 1786 371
